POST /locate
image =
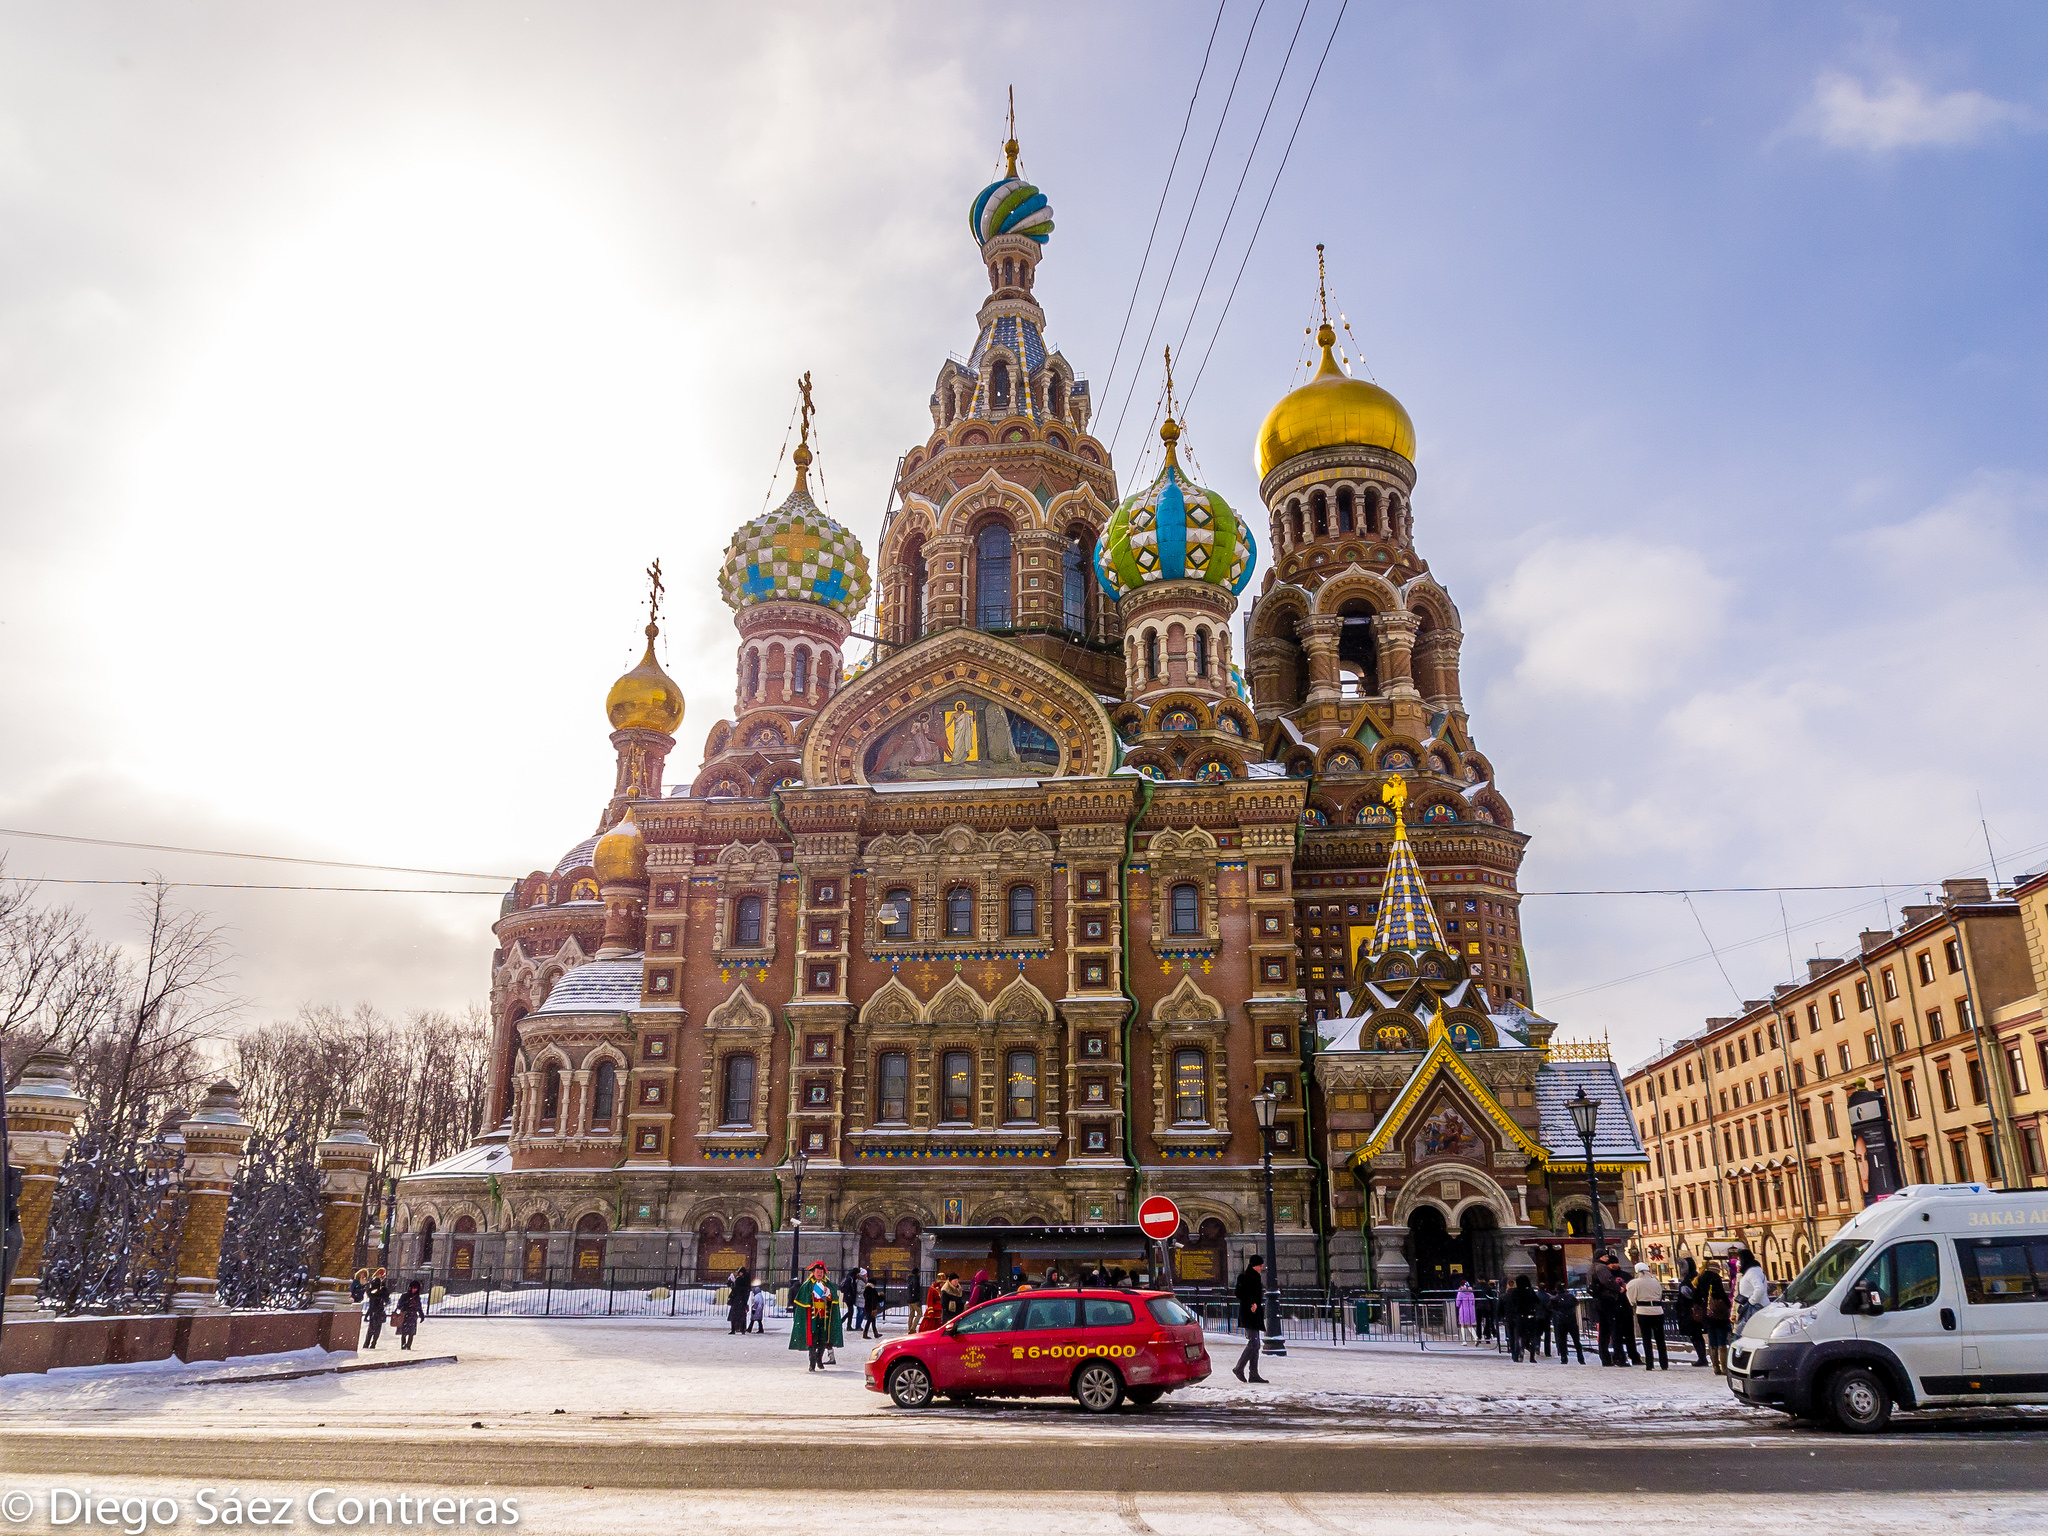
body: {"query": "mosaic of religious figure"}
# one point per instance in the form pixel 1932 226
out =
pixel 966 737
pixel 1445 1134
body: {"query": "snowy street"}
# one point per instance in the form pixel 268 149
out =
pixel 589 1425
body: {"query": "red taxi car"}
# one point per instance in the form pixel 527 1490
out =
pixel 1097 1347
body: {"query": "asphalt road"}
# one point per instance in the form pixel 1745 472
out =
pixel 1925 1459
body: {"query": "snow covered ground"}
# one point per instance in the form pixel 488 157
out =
pixel 667 1377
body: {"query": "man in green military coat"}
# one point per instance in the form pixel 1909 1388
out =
pixel 814 1316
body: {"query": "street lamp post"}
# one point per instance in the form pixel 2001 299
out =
pixel 1267 1107
pixel 1585 1120
pixel 798 1162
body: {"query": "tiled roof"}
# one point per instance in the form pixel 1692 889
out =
pixel 1614 1135
pixel 579 856
pixel 601 986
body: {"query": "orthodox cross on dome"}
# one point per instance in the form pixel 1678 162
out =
pixel 802 457
pixel 1322 286
pixel 1010 145
pixel 654 593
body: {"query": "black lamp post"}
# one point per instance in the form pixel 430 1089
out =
pixel 798 1162
pixel 1585 1120
pixel 1267 1107
pixel 390 1213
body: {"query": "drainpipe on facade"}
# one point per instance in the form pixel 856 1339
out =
pixel 788 1023
pixel 1130 995
pixel 1994 1070
pixel 1664 1158
pixel 1719 1213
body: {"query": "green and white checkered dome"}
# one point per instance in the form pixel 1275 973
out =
pixel 795 554
pixel 1174 530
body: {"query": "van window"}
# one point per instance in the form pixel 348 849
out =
pixel 1828 1266
pixel 996 1317
pixel 1908 1274
pixel 1102 1312
pixel 1042 1312
pixel 1998 1269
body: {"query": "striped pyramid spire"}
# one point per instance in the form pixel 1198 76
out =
pixel 1407 919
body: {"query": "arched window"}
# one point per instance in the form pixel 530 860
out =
pixel 956 1077
pixel 896 913
pixel 1074 584
pixel 738 1098
pixel 999 385
pixel 1020 1088
pixel 992 575
pixel 892 1104
pixel 753 674
pixel 1151 653
pixel 1294 514
pixel 1201 653
pixel 1187 910
pixel 959 912
pixel 1346 522
pixel 607 1098
pixel 551 1095
pixel 1009 272
pixel 1059 399
pixel 746 927
pixel 1372 513
pixel 1023 911
pixel 800 672
pixel 427 1241
pixel 1190 1087
pixel 1322 510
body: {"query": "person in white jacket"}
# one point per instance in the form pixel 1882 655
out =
pixel 1645 1296
pixel 1752 1291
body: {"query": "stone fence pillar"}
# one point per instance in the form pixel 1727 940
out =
pixel 42 1115
pixel 214 1139
pixel 346 1158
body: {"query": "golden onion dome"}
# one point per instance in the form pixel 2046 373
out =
pixel 621 854
pixel 646 698
pixel 1334 410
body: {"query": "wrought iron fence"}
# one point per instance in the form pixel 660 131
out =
pixel 569 1293
pixel 270 1242
pixel 1421 1318
pixel 116 1218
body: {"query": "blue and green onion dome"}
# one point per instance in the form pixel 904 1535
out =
pixel 1174 530
pixel 795 554
pixel 1011 206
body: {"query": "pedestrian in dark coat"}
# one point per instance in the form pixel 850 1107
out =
pixel 1564 1323
pixel 410 1309
pixel 1691 1315
pixel 1489 1312
pixel 736 1299
pixel 1523 1309
pixel 872 1300
pixel 1611 1308
pixel 376 1302
pixel 358 1285
pixel 1251 1316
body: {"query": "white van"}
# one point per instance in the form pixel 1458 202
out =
pixel 1934 1298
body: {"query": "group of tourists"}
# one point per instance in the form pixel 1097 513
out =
pixel 373 1293
pixel 1629 1312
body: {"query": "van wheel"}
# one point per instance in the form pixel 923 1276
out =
pixel 910 1384
pixel 1098 1387
pixel 1857 1401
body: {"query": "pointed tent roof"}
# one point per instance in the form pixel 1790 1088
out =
pixel 1406 919
pixel 1443 1059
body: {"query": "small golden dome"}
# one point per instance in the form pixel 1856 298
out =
pixel 1333 410
pixel 621 854
pixel 646 698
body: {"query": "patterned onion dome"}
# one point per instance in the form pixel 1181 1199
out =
pixel 795 554
pixel 646 698
pixel 1011 206
pixel 1334 410
pixel 1174 530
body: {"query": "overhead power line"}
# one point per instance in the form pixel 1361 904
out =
pixel 214 885
pixel 268 858
pixel 1138 284
pixel 1174 265
pixel 1256 228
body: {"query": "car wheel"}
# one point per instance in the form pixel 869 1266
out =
pixel 910 1384
pixel 1098 1387
pixel 1857 1400
pixel 1145 1397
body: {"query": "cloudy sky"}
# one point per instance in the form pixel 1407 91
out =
pixel 355 360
